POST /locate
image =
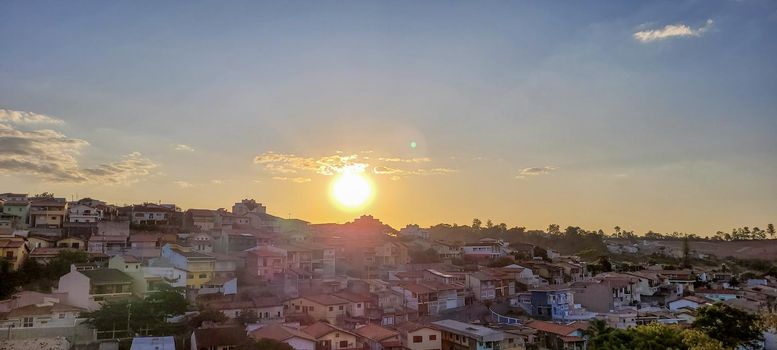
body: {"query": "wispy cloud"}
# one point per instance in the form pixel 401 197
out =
pixel 52 156
pixel 672 31
pixel 183 184
pixel 405 160
pixel 290 164
pixel 21 117
pixel 535 171
pixel 298 180
pixel 184 148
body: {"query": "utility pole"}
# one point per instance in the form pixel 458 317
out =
pixel 129 314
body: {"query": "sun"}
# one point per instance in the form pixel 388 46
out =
pixel 351 190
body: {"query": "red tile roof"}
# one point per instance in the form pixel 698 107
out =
pixel 375 332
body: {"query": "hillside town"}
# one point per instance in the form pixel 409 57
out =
pixel 247 275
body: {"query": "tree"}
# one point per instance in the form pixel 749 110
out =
pixel 60 264
pixel 617 231
pixel 729 325
pixel 770 230
pixel 476 224
pixel 209 315
pixel 424 256
pixel 686 253
pixel 247 317
pixel 489 224
pixel 605 264
pixel 554 229
pixel 149 314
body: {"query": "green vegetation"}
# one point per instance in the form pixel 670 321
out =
pixel 731 326
pixel 717 327
pixel 148 316
pixel 38 277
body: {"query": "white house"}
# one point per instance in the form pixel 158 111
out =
pixel 83 213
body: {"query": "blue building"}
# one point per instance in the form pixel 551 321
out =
pixel 551 302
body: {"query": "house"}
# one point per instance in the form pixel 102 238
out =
pixel 19 210
pixel 83 213
pixel 489 285
pixel 267 309
pixel 201 242
pixel 483 250
pixel 606 293
pixel 446 251
pixel 560 336
pixel 41 241
pixel 320 307
pixel 30 314
pixel 142 282
pixel 688 302
pixel 110 245
pixel 202 220
pixel 416 336
pixel 414 231
pixel 153 343
pixel 144 245
pixel 13 250
pixel 298 339
pixel 73 242
pixel 164 269
pixel 199 267
pixel 465 336
pixel 717 294
pixel 431 297
pixel 151 214
pixel 266 262
pixel 47 212
pixel 329 337
pixel 88 288
pixel 552 302
pixel 357 302
pixel 44 255
pixel 379 338
pixel 218 338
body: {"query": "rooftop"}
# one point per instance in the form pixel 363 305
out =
pixel 375 332
pixel 107 276
pixel 219 336
pixel 480 333
pixel 326 299
pixel 280 333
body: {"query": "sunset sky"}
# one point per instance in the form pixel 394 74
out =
pixel 657 116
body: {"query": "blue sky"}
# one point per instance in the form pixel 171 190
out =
pixel 538 112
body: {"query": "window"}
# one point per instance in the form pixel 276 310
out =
pixel 343 343
pixel 417 339
pixel 359 306
pixel 27 322
pixel 189 275
pixel 433 337
pixel 203 275
pixel 9 254
pixel 310 308
pixel 340 308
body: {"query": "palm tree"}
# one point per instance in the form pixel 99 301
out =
pixel 597 327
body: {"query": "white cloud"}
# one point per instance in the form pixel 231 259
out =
pixel 217 181
pixel 671 31
pixel 20 117
pixel 52 156
pixel 185 148
pixel 535 171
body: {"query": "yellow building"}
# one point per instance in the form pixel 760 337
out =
pixel 13 250
pixel 199 267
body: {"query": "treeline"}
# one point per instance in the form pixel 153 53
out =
pixel 571 240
